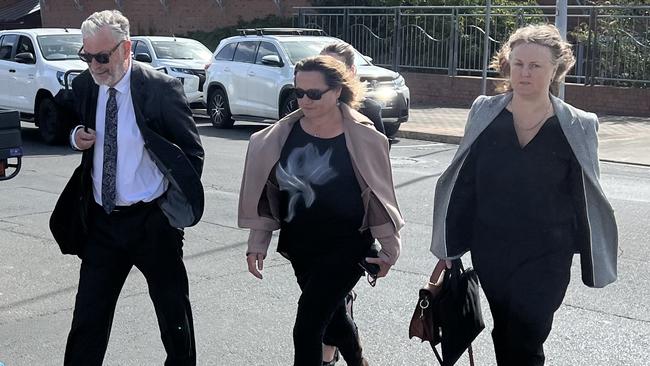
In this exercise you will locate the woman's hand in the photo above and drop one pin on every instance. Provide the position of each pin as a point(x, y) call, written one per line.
point(384, 267)
point(255, 264)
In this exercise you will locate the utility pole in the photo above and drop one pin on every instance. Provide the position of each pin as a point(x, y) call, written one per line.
point(561, 24)
point(486, 46)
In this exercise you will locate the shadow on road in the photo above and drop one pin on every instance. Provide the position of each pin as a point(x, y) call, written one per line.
point(33, 145)
point(240, 131)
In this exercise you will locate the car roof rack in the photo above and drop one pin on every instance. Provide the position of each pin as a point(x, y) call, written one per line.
point(280, 31)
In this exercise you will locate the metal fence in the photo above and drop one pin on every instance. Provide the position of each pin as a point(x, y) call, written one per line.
point(611, 43)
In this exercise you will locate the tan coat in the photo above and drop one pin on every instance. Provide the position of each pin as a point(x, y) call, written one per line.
point(259, 201)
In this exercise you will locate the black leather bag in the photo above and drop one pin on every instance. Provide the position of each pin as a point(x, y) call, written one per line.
point(449, 312)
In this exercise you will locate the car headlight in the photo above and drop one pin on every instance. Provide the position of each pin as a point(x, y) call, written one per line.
point(181, 70)
point(59, 77)
point(399, 82)
point(61, 74)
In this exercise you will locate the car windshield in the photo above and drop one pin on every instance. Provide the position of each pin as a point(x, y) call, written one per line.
point(60, 46)
point(299, 49)
point(181, 50)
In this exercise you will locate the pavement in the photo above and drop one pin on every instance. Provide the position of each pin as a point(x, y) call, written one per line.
point(623, 139)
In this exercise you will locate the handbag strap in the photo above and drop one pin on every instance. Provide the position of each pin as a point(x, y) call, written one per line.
point(470, 354)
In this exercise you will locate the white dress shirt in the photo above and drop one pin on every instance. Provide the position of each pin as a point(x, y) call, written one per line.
point(137, 177)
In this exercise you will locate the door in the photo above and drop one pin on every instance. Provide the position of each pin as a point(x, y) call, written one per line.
point(239, 87)
point(7, 69)
point(24, 90)
point(266, 78)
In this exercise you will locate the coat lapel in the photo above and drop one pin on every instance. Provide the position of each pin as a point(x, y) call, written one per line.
point(137, 94)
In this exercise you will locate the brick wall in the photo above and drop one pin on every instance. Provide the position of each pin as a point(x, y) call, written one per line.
point(460, 91)
point(150, 17)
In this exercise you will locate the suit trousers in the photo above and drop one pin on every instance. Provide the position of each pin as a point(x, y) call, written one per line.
point(524, 276)
point(139, 236)
point(325, 281)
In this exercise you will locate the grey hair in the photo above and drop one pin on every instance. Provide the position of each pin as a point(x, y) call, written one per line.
point(117, 23)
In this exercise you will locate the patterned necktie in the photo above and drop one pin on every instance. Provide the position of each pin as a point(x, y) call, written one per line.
point(110, 153)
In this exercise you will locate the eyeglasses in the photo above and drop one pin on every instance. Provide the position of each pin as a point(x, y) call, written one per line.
point(102, 57)
point(313, 94)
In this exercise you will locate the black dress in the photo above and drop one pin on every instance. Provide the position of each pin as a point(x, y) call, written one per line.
point(321, 210)
point(521, 205)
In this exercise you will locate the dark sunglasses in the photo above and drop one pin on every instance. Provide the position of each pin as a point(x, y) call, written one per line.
point(102, 57)
point(313, 94)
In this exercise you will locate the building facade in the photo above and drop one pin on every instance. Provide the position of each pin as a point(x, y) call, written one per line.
point(167, 17)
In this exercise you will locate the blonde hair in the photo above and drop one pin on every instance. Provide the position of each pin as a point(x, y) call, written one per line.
point(336, 75)
point(541, 34)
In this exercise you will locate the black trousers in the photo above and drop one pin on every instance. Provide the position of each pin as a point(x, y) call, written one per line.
point(321, 315)
point(139, 236)
point(524, 277)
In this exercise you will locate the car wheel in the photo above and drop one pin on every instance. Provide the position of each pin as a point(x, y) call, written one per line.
point(288, 105)
point(218, 109)
point(391, 128)
point(50, 125)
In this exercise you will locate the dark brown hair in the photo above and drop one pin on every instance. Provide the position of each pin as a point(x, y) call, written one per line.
point(336, 76)
point(342, 49)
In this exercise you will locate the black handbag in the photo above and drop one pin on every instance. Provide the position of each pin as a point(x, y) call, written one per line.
point(449, 312)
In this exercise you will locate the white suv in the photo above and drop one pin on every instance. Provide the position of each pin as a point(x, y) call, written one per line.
point(35, 65)
point(182, 58)
point(251, 78)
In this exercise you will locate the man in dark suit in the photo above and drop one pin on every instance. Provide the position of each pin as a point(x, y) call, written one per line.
point(137, 187)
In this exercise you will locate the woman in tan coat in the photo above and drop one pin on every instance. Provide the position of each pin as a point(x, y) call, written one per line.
point(322, 176)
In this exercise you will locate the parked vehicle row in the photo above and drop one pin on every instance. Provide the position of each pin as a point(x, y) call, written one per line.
point(249, 77)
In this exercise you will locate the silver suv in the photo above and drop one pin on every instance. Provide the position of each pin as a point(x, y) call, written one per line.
point(251, 77)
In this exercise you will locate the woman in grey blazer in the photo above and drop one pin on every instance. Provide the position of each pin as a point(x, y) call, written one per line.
point(522, 194)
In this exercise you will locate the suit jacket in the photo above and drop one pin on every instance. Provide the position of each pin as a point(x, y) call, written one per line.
point(170, 137)
point(258, 197)
point(599, 244)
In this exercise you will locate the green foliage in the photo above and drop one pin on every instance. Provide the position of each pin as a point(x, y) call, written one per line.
point(616, 42)
point(212, 39)
point(417, 2)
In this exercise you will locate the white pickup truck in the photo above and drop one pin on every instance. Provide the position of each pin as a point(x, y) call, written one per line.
point(35, 65)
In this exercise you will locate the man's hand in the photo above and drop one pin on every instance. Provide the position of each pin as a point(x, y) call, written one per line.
point(384, 267)
point(255, 264)
point(84, 138)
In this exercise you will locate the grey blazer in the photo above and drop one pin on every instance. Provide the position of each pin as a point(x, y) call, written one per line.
point(598, 253)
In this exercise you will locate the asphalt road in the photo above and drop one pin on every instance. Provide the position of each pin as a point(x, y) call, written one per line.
point(240, 320)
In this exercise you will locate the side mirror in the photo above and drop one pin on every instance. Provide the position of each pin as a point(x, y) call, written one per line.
point(25, 58)
point(368, 58)
point(10, 144)
point(272, 60)
point(143, 57)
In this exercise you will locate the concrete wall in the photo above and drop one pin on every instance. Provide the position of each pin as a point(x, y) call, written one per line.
point(460, 91)
point(151, 17)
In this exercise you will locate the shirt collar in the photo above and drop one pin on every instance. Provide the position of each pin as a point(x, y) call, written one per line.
point(123, 85)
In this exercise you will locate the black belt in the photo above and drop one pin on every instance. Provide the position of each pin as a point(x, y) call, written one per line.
point(121, 210)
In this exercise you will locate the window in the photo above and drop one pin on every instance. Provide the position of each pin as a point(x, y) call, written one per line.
point(265, 49)
point(245, 52)
point(140, 47)
point(25, 45)
point(60, 46)
point(181, 50)
point(227, 52)
point(8, 42)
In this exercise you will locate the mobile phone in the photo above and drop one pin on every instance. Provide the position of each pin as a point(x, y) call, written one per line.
point(370, 268)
